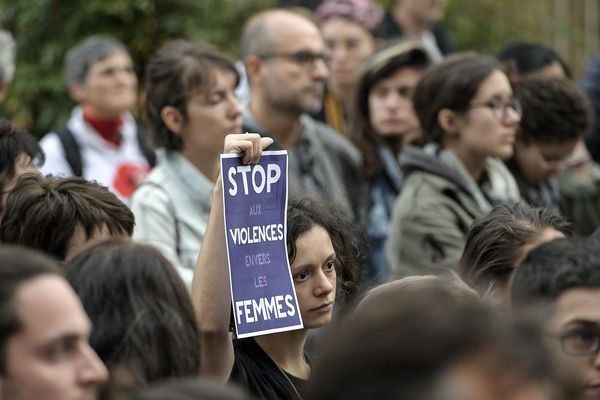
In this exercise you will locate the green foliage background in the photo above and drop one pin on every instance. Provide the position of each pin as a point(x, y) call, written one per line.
point(45, 29)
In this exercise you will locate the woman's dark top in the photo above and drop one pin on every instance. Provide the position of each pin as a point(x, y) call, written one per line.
point(258, 373)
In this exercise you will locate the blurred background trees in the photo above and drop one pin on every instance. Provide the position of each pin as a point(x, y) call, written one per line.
point(45, 29)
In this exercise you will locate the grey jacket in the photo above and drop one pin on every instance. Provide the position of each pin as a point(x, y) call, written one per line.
point(437, 205)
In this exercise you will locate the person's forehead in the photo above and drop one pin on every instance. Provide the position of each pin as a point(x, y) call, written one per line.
point(48, 308)
point(116, 57)
point(577, 304)
point(294, 33)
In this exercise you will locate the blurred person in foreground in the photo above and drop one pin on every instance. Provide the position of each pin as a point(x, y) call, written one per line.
point(44, 331)
point(564, 276)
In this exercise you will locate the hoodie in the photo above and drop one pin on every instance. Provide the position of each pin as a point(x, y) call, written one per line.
point(437, 205)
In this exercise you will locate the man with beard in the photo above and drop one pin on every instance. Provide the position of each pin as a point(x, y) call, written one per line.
point(285, 60)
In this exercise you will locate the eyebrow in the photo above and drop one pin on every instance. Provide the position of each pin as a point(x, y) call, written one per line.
point(585, 322)
point(301, 266)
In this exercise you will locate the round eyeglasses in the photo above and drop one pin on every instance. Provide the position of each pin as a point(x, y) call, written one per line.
point(500, 107)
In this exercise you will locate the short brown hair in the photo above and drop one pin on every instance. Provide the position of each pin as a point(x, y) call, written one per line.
point(43, 212)
point(176, 72)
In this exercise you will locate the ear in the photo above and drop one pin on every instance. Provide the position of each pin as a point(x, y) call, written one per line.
point(254, 67)
point(448, 121)
point(173, 119)
point(77, 92)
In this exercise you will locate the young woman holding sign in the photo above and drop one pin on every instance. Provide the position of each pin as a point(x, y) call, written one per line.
point(322, 245)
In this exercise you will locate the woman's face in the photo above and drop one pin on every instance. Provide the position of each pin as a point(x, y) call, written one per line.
point(391, 110)
point(349, 44)
point(488, 128)
point(314, 275)
point(109, 87)
point(211, 115)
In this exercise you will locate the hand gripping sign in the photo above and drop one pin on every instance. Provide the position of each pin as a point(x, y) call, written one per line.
point(255, 203)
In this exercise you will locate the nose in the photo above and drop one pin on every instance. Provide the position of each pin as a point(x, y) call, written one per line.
point(337, 54)
point(512, 117)
point(235, 109)
point(323, 285)
point(320, 70)
point(92, 370)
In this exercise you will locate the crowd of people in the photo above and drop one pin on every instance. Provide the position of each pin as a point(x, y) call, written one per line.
point(443, 222)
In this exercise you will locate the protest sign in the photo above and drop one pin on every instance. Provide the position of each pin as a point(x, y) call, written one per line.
point(255, 203)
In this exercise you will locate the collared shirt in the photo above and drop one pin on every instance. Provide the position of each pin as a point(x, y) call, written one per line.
point(171, 210)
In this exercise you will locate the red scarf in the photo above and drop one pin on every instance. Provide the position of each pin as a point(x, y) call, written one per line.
point(110, 129)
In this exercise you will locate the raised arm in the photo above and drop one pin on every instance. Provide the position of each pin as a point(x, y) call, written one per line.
point(210, 287)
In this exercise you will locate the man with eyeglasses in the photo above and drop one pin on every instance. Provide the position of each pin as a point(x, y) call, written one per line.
point(565, 274)
point(285, 60)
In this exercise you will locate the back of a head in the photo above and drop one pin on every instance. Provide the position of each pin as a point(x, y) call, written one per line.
point(15, 142)
point(554, 110)
point(452, 84)
point(7, 57)
point(17, 266)
point(140, 309)
point(496, 241)
point(190, 389)
point(84, 54)
point(44, 212)
point(529, 57)
point(400, 338)
point(554, 267)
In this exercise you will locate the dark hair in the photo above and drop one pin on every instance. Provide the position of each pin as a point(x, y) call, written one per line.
point(554, 110)
point(141, 312)
point(89, 51)
point(346, 237)
point(555, 267)
point(496, 240)
point(190, 389)
point(531, 57)
point(176, 72)
point(17, 266)
point(451, 84)
point(43, 213)
point(380, 66)
point(395, 347)
point(15, 141)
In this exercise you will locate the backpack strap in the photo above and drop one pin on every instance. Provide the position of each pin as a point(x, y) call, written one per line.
point(73, 152)
point(71, 148)
point(145, 147)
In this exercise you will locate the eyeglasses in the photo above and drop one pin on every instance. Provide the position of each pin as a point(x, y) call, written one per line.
point(305, 59)
point(580, 343)
point(500, 107)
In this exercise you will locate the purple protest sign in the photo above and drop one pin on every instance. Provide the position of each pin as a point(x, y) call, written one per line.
point(255, 203)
